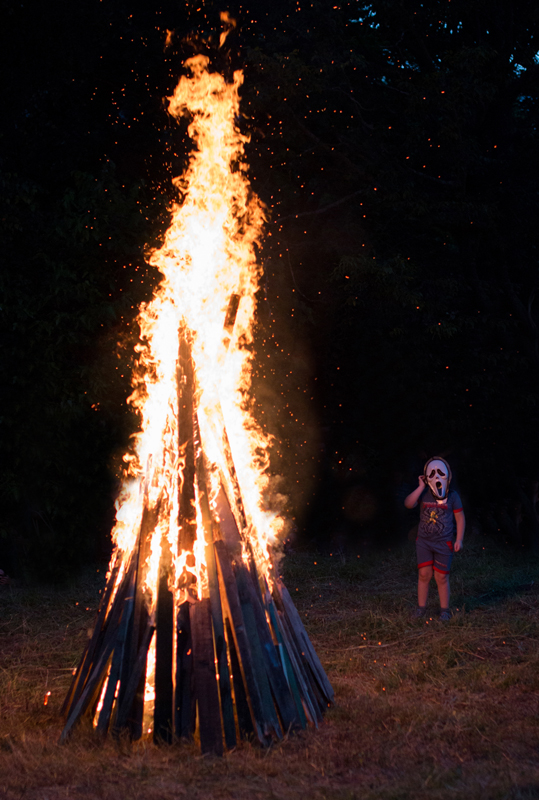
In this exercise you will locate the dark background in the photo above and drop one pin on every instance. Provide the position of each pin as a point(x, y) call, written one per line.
point(395, 145)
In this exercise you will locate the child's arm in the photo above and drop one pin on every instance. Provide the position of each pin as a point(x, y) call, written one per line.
point(461, 526)
point(413, 497)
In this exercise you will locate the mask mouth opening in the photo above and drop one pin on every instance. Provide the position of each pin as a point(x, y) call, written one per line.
point(439, 488)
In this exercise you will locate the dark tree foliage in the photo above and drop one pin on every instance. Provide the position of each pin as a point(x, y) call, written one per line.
point(73, 225)
point(395, 145)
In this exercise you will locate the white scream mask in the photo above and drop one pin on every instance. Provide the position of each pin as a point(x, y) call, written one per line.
point(438, 475)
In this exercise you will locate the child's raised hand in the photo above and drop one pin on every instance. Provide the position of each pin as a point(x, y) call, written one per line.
point(422, 481)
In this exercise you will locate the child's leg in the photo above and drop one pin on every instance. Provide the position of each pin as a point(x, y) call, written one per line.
point(442, 565)
point(442, 581)
point(425, 561)
point(424, 578)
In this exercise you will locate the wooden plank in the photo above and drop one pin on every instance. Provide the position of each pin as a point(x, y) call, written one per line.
point(79, 679)
point(272, 662)
point(148, 523)
point(136, 678)
point(253, 572)
point(242, 645)
point(135, 718)
point(79, 676)
point(237, 542)
point(227, 523)
point(186, 387)
point(130, 632)
point(111, 634)
point(229, 478)
point(290, 715)
point(235, 484)
point(245, 592)
point(138, 632)
point(184, 689)
point(108, 634)
point(225, 689)
point(231, 312)
point(164, 649)
point(225, 686)
point(271, 721)
point(245, 723)
point(309, 703)
point(110, 629)
point(287, 606)
point(310, 694)
point(323, 705)
point(92, 687)
point(297, 647)
point(184, 694)
point(117, 661)
point(285, 657)
point(207, 695)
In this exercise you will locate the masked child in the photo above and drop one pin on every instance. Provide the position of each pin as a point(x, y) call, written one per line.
point(440, 518)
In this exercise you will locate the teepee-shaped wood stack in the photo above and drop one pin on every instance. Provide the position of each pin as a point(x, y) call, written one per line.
point(237, 663)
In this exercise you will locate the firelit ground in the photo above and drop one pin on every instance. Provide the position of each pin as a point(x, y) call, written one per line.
point(424, 709)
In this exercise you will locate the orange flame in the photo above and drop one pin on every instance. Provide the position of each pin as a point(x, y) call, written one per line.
point(210, 277)
point(168, 39)
point(229, 24)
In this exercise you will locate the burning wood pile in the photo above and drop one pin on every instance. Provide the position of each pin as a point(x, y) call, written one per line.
point(196, 635)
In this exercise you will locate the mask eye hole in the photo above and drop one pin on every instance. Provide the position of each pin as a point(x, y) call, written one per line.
point(439, 471)
point(432, 473)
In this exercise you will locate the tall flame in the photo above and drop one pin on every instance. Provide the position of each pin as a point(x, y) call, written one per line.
point(207, 300)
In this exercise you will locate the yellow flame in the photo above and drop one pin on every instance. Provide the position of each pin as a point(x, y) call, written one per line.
point(208, 263)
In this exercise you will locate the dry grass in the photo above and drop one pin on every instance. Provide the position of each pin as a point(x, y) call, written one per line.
point(423, 710)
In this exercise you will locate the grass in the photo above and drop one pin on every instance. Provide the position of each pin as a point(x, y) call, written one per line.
point(423, 710)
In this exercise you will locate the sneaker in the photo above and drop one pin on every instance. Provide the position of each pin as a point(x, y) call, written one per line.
point(419, 612)
point(444, 615)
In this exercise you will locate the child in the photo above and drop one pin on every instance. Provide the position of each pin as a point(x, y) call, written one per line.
point(440, 509)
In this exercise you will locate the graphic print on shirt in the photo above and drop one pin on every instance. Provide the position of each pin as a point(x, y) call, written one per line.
point(436, 520)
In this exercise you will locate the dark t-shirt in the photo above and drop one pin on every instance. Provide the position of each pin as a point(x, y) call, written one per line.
point(436, 520)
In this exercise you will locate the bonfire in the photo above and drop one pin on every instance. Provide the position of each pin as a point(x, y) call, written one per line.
point(196, 635)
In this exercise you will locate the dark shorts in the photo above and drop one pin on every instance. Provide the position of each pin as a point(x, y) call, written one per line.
point(437, 555)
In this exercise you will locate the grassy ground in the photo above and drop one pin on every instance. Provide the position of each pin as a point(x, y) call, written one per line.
point(423, 710)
